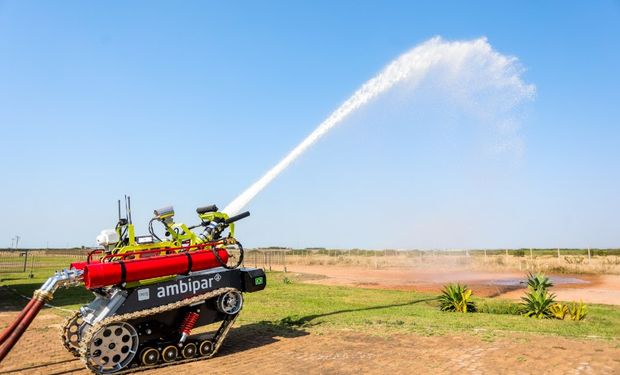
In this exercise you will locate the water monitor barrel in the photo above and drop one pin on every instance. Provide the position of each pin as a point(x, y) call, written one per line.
point(237, 217)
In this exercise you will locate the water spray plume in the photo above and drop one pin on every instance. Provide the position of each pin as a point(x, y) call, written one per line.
point(460, 61)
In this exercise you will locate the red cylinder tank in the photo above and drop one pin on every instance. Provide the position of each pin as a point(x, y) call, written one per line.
point(97, 275)
point(81, 265)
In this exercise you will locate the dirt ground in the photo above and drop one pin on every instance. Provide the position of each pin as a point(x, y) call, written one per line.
point(257, 348)
point(603, 289)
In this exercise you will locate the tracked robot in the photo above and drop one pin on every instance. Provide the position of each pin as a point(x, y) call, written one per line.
point(151, 293)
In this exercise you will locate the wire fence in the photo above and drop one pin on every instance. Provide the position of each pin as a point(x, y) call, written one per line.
point(13, 261)
point(552, 260)
point(27, 260)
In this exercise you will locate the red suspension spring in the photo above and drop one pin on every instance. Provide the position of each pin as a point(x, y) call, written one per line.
point(189, 322)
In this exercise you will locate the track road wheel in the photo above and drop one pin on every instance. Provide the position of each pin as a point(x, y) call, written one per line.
point(230, 302)
point(206, 347)
point(71, 333)
point(189, 350)
point(149, 357)
point(170, 353)
point(112, 348)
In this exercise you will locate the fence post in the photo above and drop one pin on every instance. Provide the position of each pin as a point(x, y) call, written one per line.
point(589, 255)
point(31, 275)
point(25, 259)
point(558, 252)
point(531, 254)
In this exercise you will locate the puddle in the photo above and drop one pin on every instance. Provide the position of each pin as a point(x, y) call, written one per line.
point(556, 280)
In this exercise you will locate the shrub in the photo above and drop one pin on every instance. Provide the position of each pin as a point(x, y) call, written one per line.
point(559, 311)
point(578, 311)
point(538, 301)
point(457, 298)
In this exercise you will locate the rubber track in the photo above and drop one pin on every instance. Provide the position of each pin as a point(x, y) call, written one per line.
point(63, 336)
point(221, 334)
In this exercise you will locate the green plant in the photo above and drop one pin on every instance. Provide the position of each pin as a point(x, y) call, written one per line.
point(537, 303)
point(558, 310)
point(286, 280)
point(578, 311)
point(457, 298)
point(538, 281)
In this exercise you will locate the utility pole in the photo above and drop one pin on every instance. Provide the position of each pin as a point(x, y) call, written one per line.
point(17, 241)
point(12, 242)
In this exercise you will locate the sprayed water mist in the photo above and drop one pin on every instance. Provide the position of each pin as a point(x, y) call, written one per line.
point(461, 62)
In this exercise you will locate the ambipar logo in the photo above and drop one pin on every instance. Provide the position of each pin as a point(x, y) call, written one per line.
point(184, 286)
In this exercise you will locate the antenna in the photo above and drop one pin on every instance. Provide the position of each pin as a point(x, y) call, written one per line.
point(126, 208)
point(129, 208)
point(119, 210)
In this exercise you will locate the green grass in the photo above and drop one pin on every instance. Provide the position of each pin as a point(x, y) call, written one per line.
point(317, 308)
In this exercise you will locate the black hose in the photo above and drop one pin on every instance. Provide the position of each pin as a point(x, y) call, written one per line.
point(224, 264)
point(151, 231)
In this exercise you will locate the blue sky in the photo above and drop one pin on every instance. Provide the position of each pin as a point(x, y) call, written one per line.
point(187, 103)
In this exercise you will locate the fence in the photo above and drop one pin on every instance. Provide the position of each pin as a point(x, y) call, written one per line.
point(26, 260)
point(13, 261)
point(280, 259)
point(552, 260)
